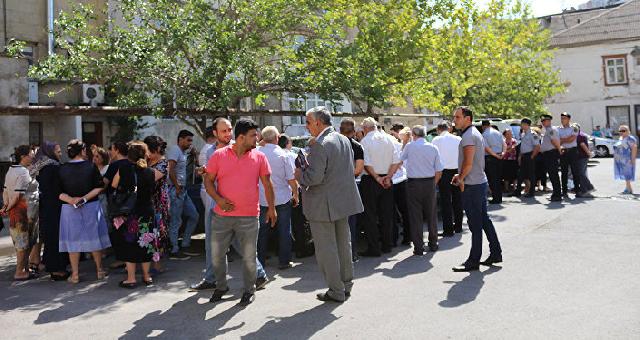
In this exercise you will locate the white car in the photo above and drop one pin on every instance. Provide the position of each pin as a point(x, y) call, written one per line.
point(603, 147)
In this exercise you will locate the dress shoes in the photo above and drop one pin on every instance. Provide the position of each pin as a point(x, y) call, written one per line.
point(465, 268)
point(218, 294)
point(433, 248)
point(555, 198)
point(491, 260)
point(324, 297)
point(418, 252)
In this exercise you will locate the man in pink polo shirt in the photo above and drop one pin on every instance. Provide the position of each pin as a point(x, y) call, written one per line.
point(237, 169)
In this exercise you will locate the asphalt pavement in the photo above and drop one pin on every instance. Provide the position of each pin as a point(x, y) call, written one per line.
point(570, 270)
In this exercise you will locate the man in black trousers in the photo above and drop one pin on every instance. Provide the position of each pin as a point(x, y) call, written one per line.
point(494, 146)
point(450, 203)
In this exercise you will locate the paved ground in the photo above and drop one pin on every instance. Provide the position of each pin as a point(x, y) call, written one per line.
point(571, 271)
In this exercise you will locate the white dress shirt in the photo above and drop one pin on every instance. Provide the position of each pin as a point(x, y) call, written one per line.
point(379, 151)
point(448, 144)
point(281, 173)
point(400, 175)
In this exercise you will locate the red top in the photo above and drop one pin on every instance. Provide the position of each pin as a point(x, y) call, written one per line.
point(510, 155)
point(237, 179)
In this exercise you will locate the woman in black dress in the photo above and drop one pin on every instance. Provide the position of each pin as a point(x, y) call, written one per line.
point(137, 238)
point(46, 169)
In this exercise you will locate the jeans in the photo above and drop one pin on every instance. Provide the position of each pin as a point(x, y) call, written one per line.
point(245, 230)
point(208, 203)
point(283, 228)
point(181, 205)
point(474, 200)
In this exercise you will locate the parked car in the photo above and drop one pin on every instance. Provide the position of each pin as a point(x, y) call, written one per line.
point(602, 147)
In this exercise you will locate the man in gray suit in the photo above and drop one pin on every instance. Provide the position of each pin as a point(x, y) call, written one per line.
point(329, 197)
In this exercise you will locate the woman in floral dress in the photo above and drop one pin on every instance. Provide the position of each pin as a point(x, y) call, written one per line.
point(160, 197)
point(625, 152)
point(137, 235)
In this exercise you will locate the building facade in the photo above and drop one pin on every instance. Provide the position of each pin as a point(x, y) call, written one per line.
point(598, 54)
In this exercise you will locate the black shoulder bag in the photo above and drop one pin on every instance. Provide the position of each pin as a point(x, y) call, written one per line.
point(122, 202)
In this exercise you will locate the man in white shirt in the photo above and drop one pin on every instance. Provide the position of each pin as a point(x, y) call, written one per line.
point(450, 203)
point(380, 163)
point(285, 188)
point(402, 135)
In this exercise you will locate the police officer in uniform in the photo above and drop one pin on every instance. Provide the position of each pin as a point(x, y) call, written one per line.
point(529, 149)
point(569, 157)
point(551, 151)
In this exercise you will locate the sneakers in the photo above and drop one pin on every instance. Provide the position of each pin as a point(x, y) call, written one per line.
point(190, 251)
point(202, 286)
point(261, 282)
point(179, 256)
point(247, 298)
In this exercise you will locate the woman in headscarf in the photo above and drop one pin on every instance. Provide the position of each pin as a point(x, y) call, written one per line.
point(45, 169)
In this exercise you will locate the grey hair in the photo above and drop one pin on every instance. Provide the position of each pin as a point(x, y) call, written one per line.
point(444, 126)
point(322, 114)
point(270, 134)
point(369, 122)
point(418, 130)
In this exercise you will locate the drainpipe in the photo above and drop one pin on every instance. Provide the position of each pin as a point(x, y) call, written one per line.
point(4, 22)
point(50, 26)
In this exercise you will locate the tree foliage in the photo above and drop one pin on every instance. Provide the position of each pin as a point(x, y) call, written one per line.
point(202, 54)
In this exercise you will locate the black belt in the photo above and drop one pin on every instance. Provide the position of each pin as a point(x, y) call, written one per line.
point(420, 179)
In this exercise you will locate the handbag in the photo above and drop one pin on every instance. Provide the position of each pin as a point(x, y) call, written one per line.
point(122, 202)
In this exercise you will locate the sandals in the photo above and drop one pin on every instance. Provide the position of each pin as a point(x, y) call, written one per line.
point(31, 276)
point(101, 274)
point(73, 280)
point(148, 282)
point(35, 267)
point(128, 285)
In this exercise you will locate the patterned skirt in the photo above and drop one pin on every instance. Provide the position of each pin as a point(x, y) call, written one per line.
point(24, 233)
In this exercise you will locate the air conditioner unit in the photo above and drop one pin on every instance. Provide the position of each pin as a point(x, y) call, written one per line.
point(92, 94)
point(33, 92)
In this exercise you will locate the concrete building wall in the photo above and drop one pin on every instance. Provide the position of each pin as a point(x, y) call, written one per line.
point(587, 97)
point(14, 130)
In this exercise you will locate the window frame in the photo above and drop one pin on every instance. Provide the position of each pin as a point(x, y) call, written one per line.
point(605, 69)
point(614, 132)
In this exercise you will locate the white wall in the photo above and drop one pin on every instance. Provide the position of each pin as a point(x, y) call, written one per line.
point(14, 130)
point(587, 97)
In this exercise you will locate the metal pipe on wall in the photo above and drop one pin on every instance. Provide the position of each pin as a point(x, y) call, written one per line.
point(4, 22)
point(50, 20)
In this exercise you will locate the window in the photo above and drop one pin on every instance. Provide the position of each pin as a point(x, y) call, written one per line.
point(615, 68)
point(35, 133)
point(312, 100)
point(616, 116)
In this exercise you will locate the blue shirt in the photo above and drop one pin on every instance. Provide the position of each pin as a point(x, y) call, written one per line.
point(493, 139)
point(422, 159)
point(281, 173)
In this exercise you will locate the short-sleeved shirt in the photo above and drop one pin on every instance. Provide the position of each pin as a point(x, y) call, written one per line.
point(528, 141)
point(422, 159)
point(237, 179)
point(112, 170)
point(547, 135)
point(582, 139)
point(16, 182)
point(493, 139)
point(358, 151)
point(565, 132)
point(379, 151)
point(448, 144)
point(281, 174)
point(175, 153)
point(472, 137)
point(78, 178)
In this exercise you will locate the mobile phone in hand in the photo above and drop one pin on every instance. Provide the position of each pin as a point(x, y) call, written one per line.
point(81, 203)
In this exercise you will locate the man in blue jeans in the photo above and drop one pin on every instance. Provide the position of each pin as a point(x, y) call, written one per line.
point(285, 188)
point(180, 203)
point(472, 181)
point(220, 137)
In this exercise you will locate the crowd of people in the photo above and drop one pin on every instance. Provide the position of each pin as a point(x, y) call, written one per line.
point(360, 182)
